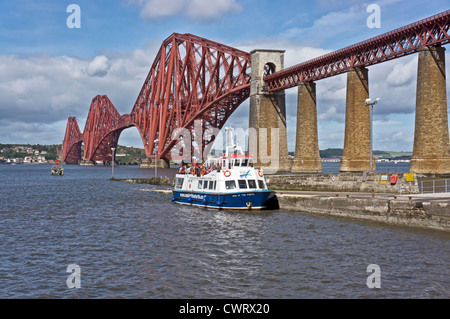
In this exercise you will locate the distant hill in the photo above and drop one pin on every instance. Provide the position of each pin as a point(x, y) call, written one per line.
point(127, 155)
point(392, 154)
point(331, 152)
point(124, 154)
point(337, 152)
point(24, 150)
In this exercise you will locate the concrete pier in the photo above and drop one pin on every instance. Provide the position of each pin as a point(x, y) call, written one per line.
point(267, 119)
point(417, 211)
point(356, 155)
point(347, 182)
point(150, 163)
point(87, 163)
point(364, 196)
point(307, 157)
point(431, 151)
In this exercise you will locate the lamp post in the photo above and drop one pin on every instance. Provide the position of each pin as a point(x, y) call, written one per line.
point(156, 157)
point(113, 149)
point(371, 104)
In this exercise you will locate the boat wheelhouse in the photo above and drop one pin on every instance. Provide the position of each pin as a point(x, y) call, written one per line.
point(57, 170)
point(227, 182)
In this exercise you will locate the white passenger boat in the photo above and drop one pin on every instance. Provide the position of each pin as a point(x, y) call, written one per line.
point(226, 182)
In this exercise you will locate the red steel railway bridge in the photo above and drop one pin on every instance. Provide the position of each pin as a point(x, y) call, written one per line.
point(194, 82)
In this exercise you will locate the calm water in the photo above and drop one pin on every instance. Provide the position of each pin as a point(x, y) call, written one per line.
point(133, 243)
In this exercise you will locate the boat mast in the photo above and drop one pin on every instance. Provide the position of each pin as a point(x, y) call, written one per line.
point(229, 139)
point(231, 146)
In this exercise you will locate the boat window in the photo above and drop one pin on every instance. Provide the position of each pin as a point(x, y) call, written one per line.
point(179, 183)
point(261, 184)
point(230, 185)
point(251, 183)
point(212, 185)
point(236, 163)
point(245, 163)
point(200, 184)
point(242, 183)
point(205, 184)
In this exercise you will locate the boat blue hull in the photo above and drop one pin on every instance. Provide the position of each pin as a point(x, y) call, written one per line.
point(239, 200)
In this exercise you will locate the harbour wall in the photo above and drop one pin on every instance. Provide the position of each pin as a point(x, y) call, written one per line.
point(404, 210)
point(346, 182)
point(365, 196)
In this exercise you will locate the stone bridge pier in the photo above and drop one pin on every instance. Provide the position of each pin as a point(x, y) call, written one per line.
point(356, 153)
point(267, 140)
point(307, 157)
point(431, 152)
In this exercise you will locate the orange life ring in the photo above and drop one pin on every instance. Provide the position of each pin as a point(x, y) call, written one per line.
point(260, 173)
point(227, 173)
point(203, 172)
point(194, 172)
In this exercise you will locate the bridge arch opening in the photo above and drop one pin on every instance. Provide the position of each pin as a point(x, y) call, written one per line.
point(131, 137)
point(269, 68)
point(129, 146)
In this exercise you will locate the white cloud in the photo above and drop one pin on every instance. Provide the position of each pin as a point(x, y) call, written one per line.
point(209, 10)
point(333, 24)
point(403, 72)
point(99, 66)
point(331, 113)
point(398, 139)
point(39, 92)
point(204, 10)
point(152, 9)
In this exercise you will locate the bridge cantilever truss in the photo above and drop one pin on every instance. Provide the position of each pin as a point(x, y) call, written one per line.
point(394, 44)
point(191, 79)
point(195, 80)
point(72, 141)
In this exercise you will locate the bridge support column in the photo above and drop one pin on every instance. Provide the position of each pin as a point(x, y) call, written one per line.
point(267, 121)
point(356, 155)
point(307, 157)
point(150, 163)
point(431, 151)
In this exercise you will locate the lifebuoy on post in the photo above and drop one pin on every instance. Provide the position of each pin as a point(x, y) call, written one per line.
point(260, 173)
point(227, 173)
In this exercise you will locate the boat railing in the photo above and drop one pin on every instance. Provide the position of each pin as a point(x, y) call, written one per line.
point(199, 170)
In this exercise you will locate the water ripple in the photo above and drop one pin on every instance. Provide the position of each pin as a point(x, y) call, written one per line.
point(132, 243)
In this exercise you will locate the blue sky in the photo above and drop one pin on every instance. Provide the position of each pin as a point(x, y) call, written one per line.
point(49, 72)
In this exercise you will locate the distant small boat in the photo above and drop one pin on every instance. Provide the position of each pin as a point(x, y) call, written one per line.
point(57, 170)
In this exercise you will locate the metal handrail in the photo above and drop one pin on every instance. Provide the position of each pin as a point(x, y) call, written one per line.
point(434, 186)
